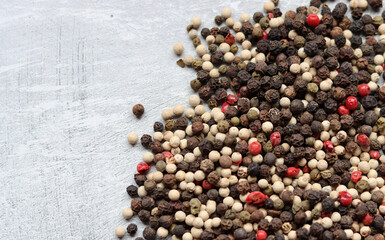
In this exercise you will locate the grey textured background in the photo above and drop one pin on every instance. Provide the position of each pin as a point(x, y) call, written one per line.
point(70, 71)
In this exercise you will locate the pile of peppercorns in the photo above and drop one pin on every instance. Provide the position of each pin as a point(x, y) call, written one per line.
point(292, 146)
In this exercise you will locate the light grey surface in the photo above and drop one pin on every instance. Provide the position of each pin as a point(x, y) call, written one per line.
point(70, 71)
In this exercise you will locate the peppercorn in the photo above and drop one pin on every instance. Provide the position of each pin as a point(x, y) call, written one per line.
point(138, 110)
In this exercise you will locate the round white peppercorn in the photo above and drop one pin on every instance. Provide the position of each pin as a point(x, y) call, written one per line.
point(178, 48)
point(194, 100)
point(278, 187)
point(244, 17)
point(188, 59)
point(127, 213)
point(362, 4)
point(245, 54)
point(207, 66)
point(132, 138)
point(326, 222)
point(237, 207)
point(230, 22)
point(120, 231)
point(148, 157)
point(268, 6)
point(142, 191)
point(237, 26)
point(240, 36)
point(180, 216)
point(226, 12)
point(267, 127)
point(196, 22)
point(295, 68)
point(162, 232)
point(174, 195)
point(167, 114)
point(201, 50)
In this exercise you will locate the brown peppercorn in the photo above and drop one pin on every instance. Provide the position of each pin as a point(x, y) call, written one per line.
point(144, 215)
point(149, 233)
point(138, 110)
point(136, 205)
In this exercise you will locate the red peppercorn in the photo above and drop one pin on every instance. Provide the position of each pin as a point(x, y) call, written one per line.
point(345, 198)
point(167, 154)
point(351, 103)
point(312, 20)
point(275, 138)
point(356, 176)
point(292, 172)
point(231, 99)
point(326, 214)
point(342, 110)
point(374, 154)
point(306, 169)
point(230, 39)
point(328, 145)
point(364, 90)
point(196, 182)
point(363, 140)
point(257, 198)
point(255, 148)
point(368, 219)
point(225, 106)
point(261, 235)
point(270, 15)
point(143, 168)
point(206, 185)
point(264, 35)
point(383, 66)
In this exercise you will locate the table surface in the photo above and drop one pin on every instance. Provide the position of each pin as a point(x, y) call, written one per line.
point(70, 72)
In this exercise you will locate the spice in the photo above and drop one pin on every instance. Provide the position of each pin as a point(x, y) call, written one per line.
point(138, 110)
point(119, 232)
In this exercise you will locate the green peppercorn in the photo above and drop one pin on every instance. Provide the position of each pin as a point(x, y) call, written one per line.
point(197, 64)
point(268, 147)
point(299, 41)
point(381, 123)
point(234, 121)
point(315, 213)
point(362, 186)
point(180, 63)
point(241, 66)
point(195, 206)
point(222, 69)
point(315, 175)
point(219, 39)
point(223, 126)
point(244, 216)
point(310, 141)
point(195, 84)
point(284, 43)
point(252, 115)
point(264, 22)
point(169, 125)
point(305, 205)
point(296, 207)
point(261, 137)
point(326, 174)
point(269, 190)
point(212, 103)
point(196, 42)
point(160, 166)
point(371, 68)
point(210, 137)
point(278, 204)
point(351, 184)
point(230, 214)
point(312, 88)
point(234, 48)
point(213, 47)
point(378, 20)
point(189, 27)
